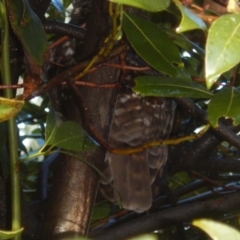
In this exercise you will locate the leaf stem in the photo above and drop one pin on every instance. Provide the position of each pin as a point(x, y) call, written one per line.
point(12, 133)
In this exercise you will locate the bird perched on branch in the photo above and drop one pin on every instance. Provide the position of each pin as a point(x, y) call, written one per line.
point(136, 120)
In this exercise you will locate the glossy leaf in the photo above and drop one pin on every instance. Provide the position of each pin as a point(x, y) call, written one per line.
point(181, 41)
point(28, 28)
point(169, 87)
point(54, 119)
point(153, 45)
point(224, 104)
point(9, 108)
point(149, 5)
point(189, 20)
point(9, 234)
point(69, 136)
point(222, 47)
point(217, 230)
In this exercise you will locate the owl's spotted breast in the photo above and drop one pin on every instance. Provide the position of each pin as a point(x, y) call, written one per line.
point(137, 120)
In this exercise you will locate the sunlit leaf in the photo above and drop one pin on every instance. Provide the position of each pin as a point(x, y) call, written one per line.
point(153, 45)
point(224, 104)
point(144, 237)
point(217, 230)
point(149, 5)
point(189, 20)
point(70, 136)
point(28, 28)
point(169, 87)
point(9, 108)
point(9, 234)
point(222, 47)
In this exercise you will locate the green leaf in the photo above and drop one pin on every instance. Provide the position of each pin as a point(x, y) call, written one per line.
point(66, 3)
point(149, 5)
point(9, 234)
point(222, 47)
point(54, 120)
point(181, 41)
point(144, 237)
point(69, 136)
point(189, 20)
point(28, 28)
point(100, 211)
point(224, 104)
point(217, 230)
point(9, 108)
point(169, 87)
point(153, 45)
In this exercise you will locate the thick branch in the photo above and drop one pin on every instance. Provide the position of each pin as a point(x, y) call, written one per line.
point(197, 154)
point(56, 27)
point(72, 197)
point(73, 71)
point(167, 218)
point(222, 131)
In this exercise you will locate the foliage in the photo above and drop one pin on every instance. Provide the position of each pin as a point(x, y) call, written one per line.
point(9, 108)
point(144, 37)
point(217, 230)
point(9, 234)
point(186, 57)
point(27, 26)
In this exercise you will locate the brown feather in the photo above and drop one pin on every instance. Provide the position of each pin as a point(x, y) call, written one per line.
point(137, 120)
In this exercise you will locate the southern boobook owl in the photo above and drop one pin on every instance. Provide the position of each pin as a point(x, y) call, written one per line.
point(137, 120)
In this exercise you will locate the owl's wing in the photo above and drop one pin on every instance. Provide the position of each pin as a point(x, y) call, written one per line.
point(136, 120)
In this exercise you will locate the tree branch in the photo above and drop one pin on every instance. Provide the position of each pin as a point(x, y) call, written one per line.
point(209, 209)
point(226, 133)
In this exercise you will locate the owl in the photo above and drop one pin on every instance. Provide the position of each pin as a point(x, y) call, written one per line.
point(136, 120)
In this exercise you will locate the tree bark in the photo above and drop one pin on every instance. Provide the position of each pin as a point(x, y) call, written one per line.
point(75, 183)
